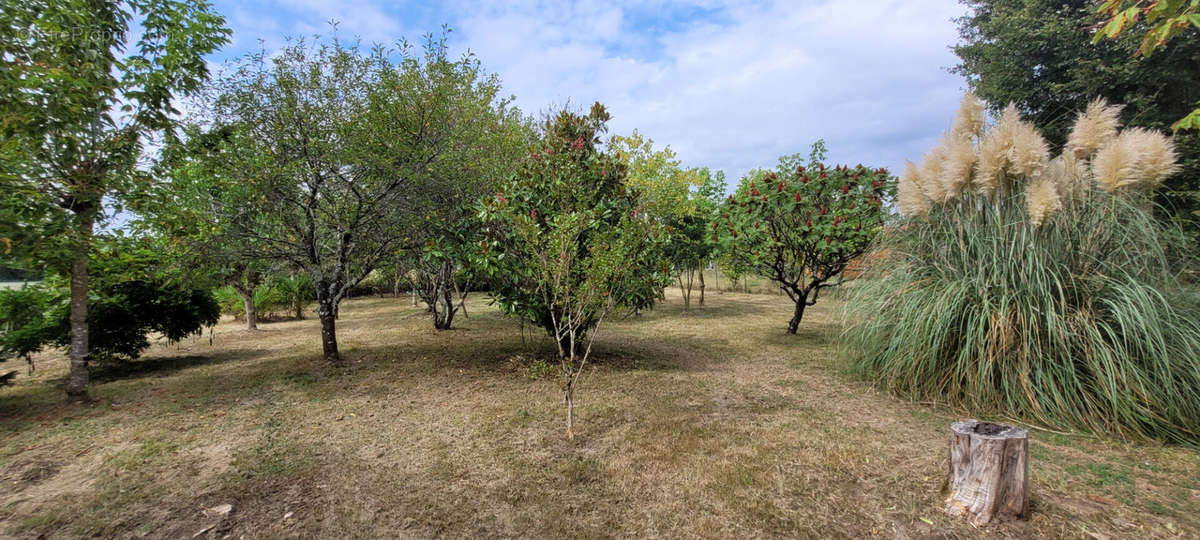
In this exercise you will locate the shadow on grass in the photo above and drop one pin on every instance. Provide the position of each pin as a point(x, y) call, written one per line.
point(162, 366)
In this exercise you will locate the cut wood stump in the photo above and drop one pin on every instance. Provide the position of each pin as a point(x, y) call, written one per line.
point(989, 472)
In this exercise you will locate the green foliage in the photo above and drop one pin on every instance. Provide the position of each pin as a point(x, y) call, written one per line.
point(135, 294)
point(1039, 55)
point(76, 107)
point(685, 200)
point(1034, 287)
point(568, 238)
point(800, 225)
point(332, 160)
point(1164, 20)
point(1076, 324)
point(276, 298)
point(30, 318)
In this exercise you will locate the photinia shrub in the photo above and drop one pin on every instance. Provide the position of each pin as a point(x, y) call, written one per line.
point(802, 224)
point(568, 242)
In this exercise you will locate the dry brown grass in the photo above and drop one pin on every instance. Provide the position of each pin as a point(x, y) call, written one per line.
point(712, 423)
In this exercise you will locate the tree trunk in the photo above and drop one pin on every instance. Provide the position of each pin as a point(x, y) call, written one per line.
point(248, 303)
point(801, 303)
point(989, 472)
point(77, 379)
point(717, 278)
point(570, 395)
point(700, 265)
point(327, 312)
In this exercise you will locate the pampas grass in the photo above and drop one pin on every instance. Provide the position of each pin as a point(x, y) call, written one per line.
point(1042, 200)
point(1095, 127)
point(1044, 294)
point(909, 197)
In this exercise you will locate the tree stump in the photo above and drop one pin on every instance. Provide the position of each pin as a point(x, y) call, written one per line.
point(989, 472)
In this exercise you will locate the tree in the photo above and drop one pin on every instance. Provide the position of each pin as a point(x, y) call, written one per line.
point(137, 292)
point(330, 153)
point(77, 110)
point(805, 224)
point(1038, 54)
point(198, 209)
point(568, 241)
point(682, 199)
point(486, 145)
point(1165, 19)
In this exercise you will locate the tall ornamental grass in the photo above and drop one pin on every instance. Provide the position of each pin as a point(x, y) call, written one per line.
point(1036, 288)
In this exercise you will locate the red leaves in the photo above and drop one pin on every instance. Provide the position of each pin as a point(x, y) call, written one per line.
point(822, 175)
point(798, 196)
point(714, 225)
point(578, 144)
point(823, 210)
point(808, 223)
point(845, 189)
point(604, 172)
point(852, 206)
point(499, 197)
point(533, 213)
point(779, 188)
point(800, 169)
point(804, 179)
point(716, 238)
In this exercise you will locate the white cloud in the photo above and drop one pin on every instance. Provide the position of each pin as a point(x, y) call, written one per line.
point(732, 89)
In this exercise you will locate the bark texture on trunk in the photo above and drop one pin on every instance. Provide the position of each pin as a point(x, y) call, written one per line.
point(77, 379)
point(327, 309)
point(248, 304)
point(988, 479)
point(701, 267)
point(329, 346)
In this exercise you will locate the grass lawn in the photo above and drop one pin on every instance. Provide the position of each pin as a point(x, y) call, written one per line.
point(712, 423)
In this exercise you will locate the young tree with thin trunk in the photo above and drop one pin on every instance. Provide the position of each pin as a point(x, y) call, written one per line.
point(77, 109)
point(568, 241)
point(801, 225)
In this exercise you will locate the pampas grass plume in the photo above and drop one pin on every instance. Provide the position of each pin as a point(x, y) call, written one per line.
point(1042, 200)
point(969, 121)
point(1095, 127)
point(909, 197)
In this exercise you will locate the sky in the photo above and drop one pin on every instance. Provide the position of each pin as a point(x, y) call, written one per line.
point(729, 85)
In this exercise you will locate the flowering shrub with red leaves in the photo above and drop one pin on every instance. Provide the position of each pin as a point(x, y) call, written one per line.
point(802, 224)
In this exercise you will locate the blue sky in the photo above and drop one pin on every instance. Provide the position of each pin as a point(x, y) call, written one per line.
point(729, 85)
